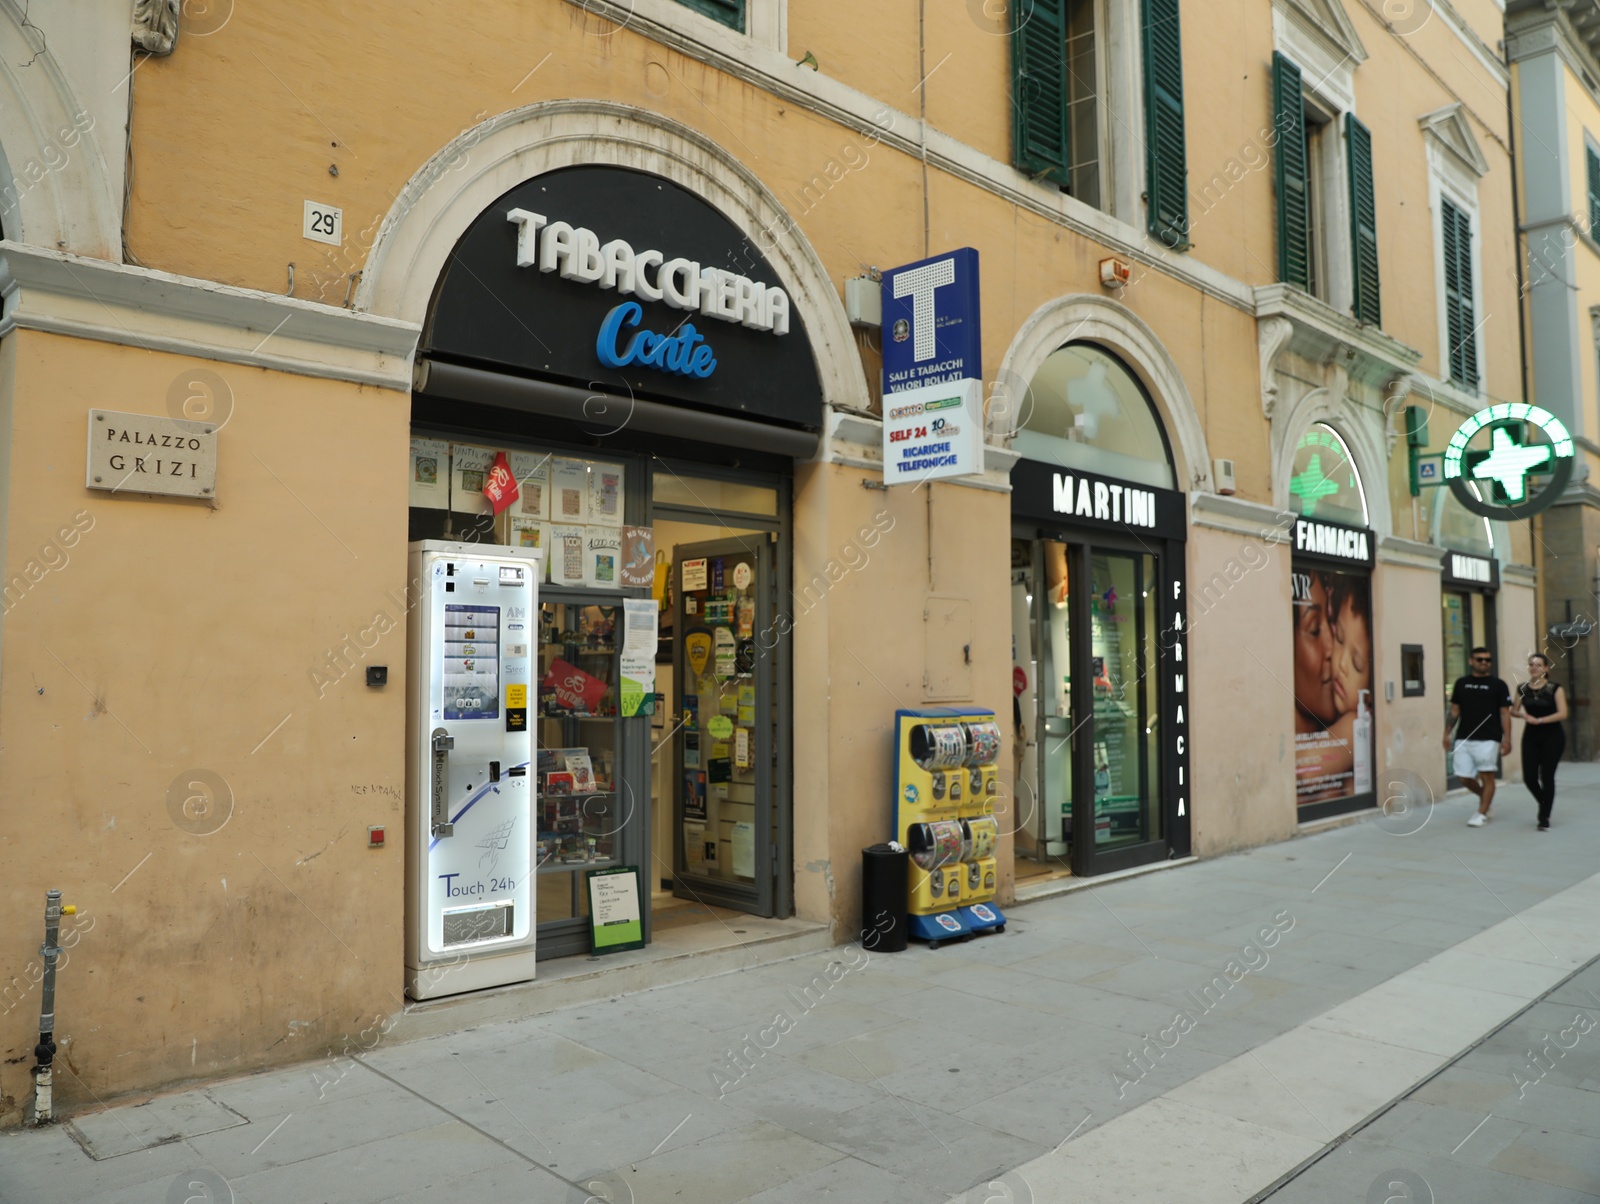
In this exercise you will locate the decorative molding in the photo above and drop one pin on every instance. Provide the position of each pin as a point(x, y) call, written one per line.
point(1272, 338)
point(1321, 334)
point(1395, 394)
point(1328, 22)
point(57, 188)
point(1449, 129)
point(1088, 318)
point(1411, 553)
point(437, 206)
point(156, 311)
point(1523, 574)
point(155, 26)
point(1239, 516)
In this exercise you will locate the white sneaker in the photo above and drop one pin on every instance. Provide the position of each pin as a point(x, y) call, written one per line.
point(1477, 821)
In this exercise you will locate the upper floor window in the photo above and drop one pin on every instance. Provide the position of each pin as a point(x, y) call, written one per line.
point(1327, 207)
point(1592, 161)
point(1455, 165)
point(1460, 313)
point(728, 12)
point(1068, 57)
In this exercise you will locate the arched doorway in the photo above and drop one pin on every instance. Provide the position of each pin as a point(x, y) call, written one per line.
point(1097, 605)
point(610, 341)
point(1333, 554)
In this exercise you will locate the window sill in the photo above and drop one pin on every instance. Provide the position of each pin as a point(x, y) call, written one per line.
point(767, 23)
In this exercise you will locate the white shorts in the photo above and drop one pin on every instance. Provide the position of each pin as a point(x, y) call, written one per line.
point(1472, 757)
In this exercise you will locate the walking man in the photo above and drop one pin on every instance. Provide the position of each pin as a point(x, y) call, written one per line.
point(1482, 705)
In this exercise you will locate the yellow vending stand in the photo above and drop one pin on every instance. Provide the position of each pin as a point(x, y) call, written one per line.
point(946, 784)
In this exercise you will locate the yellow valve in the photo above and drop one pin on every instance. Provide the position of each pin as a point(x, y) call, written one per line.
point(69, 910)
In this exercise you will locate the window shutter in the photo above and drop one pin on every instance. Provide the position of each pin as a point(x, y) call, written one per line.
point(727, 12)
point(1039, 88)
point(1294, 222)
point(1166, 167)
point(1594, 192)
point(1460, 322)
point(1363, 222)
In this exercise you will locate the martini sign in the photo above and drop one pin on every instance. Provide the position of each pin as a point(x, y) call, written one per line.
point(1504, 470)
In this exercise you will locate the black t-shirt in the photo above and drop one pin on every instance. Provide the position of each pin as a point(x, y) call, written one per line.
point(1539, 703)
point(1480, 700)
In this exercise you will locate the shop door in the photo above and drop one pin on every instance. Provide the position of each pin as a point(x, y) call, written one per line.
point(1098, 707)
point(723, 741)
point(1117, 804)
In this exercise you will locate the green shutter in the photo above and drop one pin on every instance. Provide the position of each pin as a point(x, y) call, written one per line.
point(1289, 170)
point(1166, 168)
point(1460, 322)
point(1594, 191)
point(728, 12)
point(1039, 88)
point(1363, 222)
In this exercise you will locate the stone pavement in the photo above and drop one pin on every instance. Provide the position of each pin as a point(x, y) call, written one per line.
point(1316, 1020)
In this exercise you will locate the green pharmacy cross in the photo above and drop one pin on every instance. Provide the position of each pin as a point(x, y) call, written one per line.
point(1312, 485)
point(1509, 462)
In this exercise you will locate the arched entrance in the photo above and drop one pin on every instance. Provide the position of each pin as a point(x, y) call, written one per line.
point(632, 342)
point(1332, 559)
point(1097, 620)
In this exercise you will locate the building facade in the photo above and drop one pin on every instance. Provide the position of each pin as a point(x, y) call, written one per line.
point(1557, 104)
point(371, 253)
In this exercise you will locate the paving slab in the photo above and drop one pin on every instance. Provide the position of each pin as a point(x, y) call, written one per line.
point(1379, 1035)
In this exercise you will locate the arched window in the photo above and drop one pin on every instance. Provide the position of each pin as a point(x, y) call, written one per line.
point(1085, 410)
point(1457, 528)
point(1324, 483)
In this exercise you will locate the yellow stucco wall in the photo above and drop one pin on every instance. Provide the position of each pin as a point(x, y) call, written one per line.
point(178, 636)
point(175, 636)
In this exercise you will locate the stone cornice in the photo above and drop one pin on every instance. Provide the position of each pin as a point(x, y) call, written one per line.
point(1410, 553)
point(1322, 335)
point(136, 307)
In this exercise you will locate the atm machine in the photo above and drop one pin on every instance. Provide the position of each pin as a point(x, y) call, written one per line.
point(470, 880)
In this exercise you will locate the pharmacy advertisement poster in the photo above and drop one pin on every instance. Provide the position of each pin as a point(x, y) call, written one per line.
point(1332, 684)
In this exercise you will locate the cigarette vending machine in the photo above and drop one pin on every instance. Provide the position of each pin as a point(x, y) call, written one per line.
point(472, 627)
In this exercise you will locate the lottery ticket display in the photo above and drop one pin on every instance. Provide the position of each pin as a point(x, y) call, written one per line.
point(947, 781)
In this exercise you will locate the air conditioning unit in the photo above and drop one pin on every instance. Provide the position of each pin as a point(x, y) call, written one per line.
point(1114, 273)
point(1222, 474)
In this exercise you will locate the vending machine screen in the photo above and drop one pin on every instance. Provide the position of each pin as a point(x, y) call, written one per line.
point(471, 662)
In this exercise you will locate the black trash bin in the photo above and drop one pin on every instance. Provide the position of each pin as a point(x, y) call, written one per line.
point(885, 873)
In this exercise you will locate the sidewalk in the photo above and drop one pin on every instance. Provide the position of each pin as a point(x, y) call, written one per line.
point(1290, 1019)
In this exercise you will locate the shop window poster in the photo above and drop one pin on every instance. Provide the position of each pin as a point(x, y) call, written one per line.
point(602, 550)
point(569, 485)
point(469, 468)
point(1332, 684)
point(605, 494)
point(638, 568)
point(430, 474)
point(532, 471)
point(566, 555)
point(531, 533)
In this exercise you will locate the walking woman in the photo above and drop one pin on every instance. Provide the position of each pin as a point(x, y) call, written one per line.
point(1543, 704)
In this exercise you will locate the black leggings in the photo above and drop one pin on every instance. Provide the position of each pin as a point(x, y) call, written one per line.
point(1541, 749)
